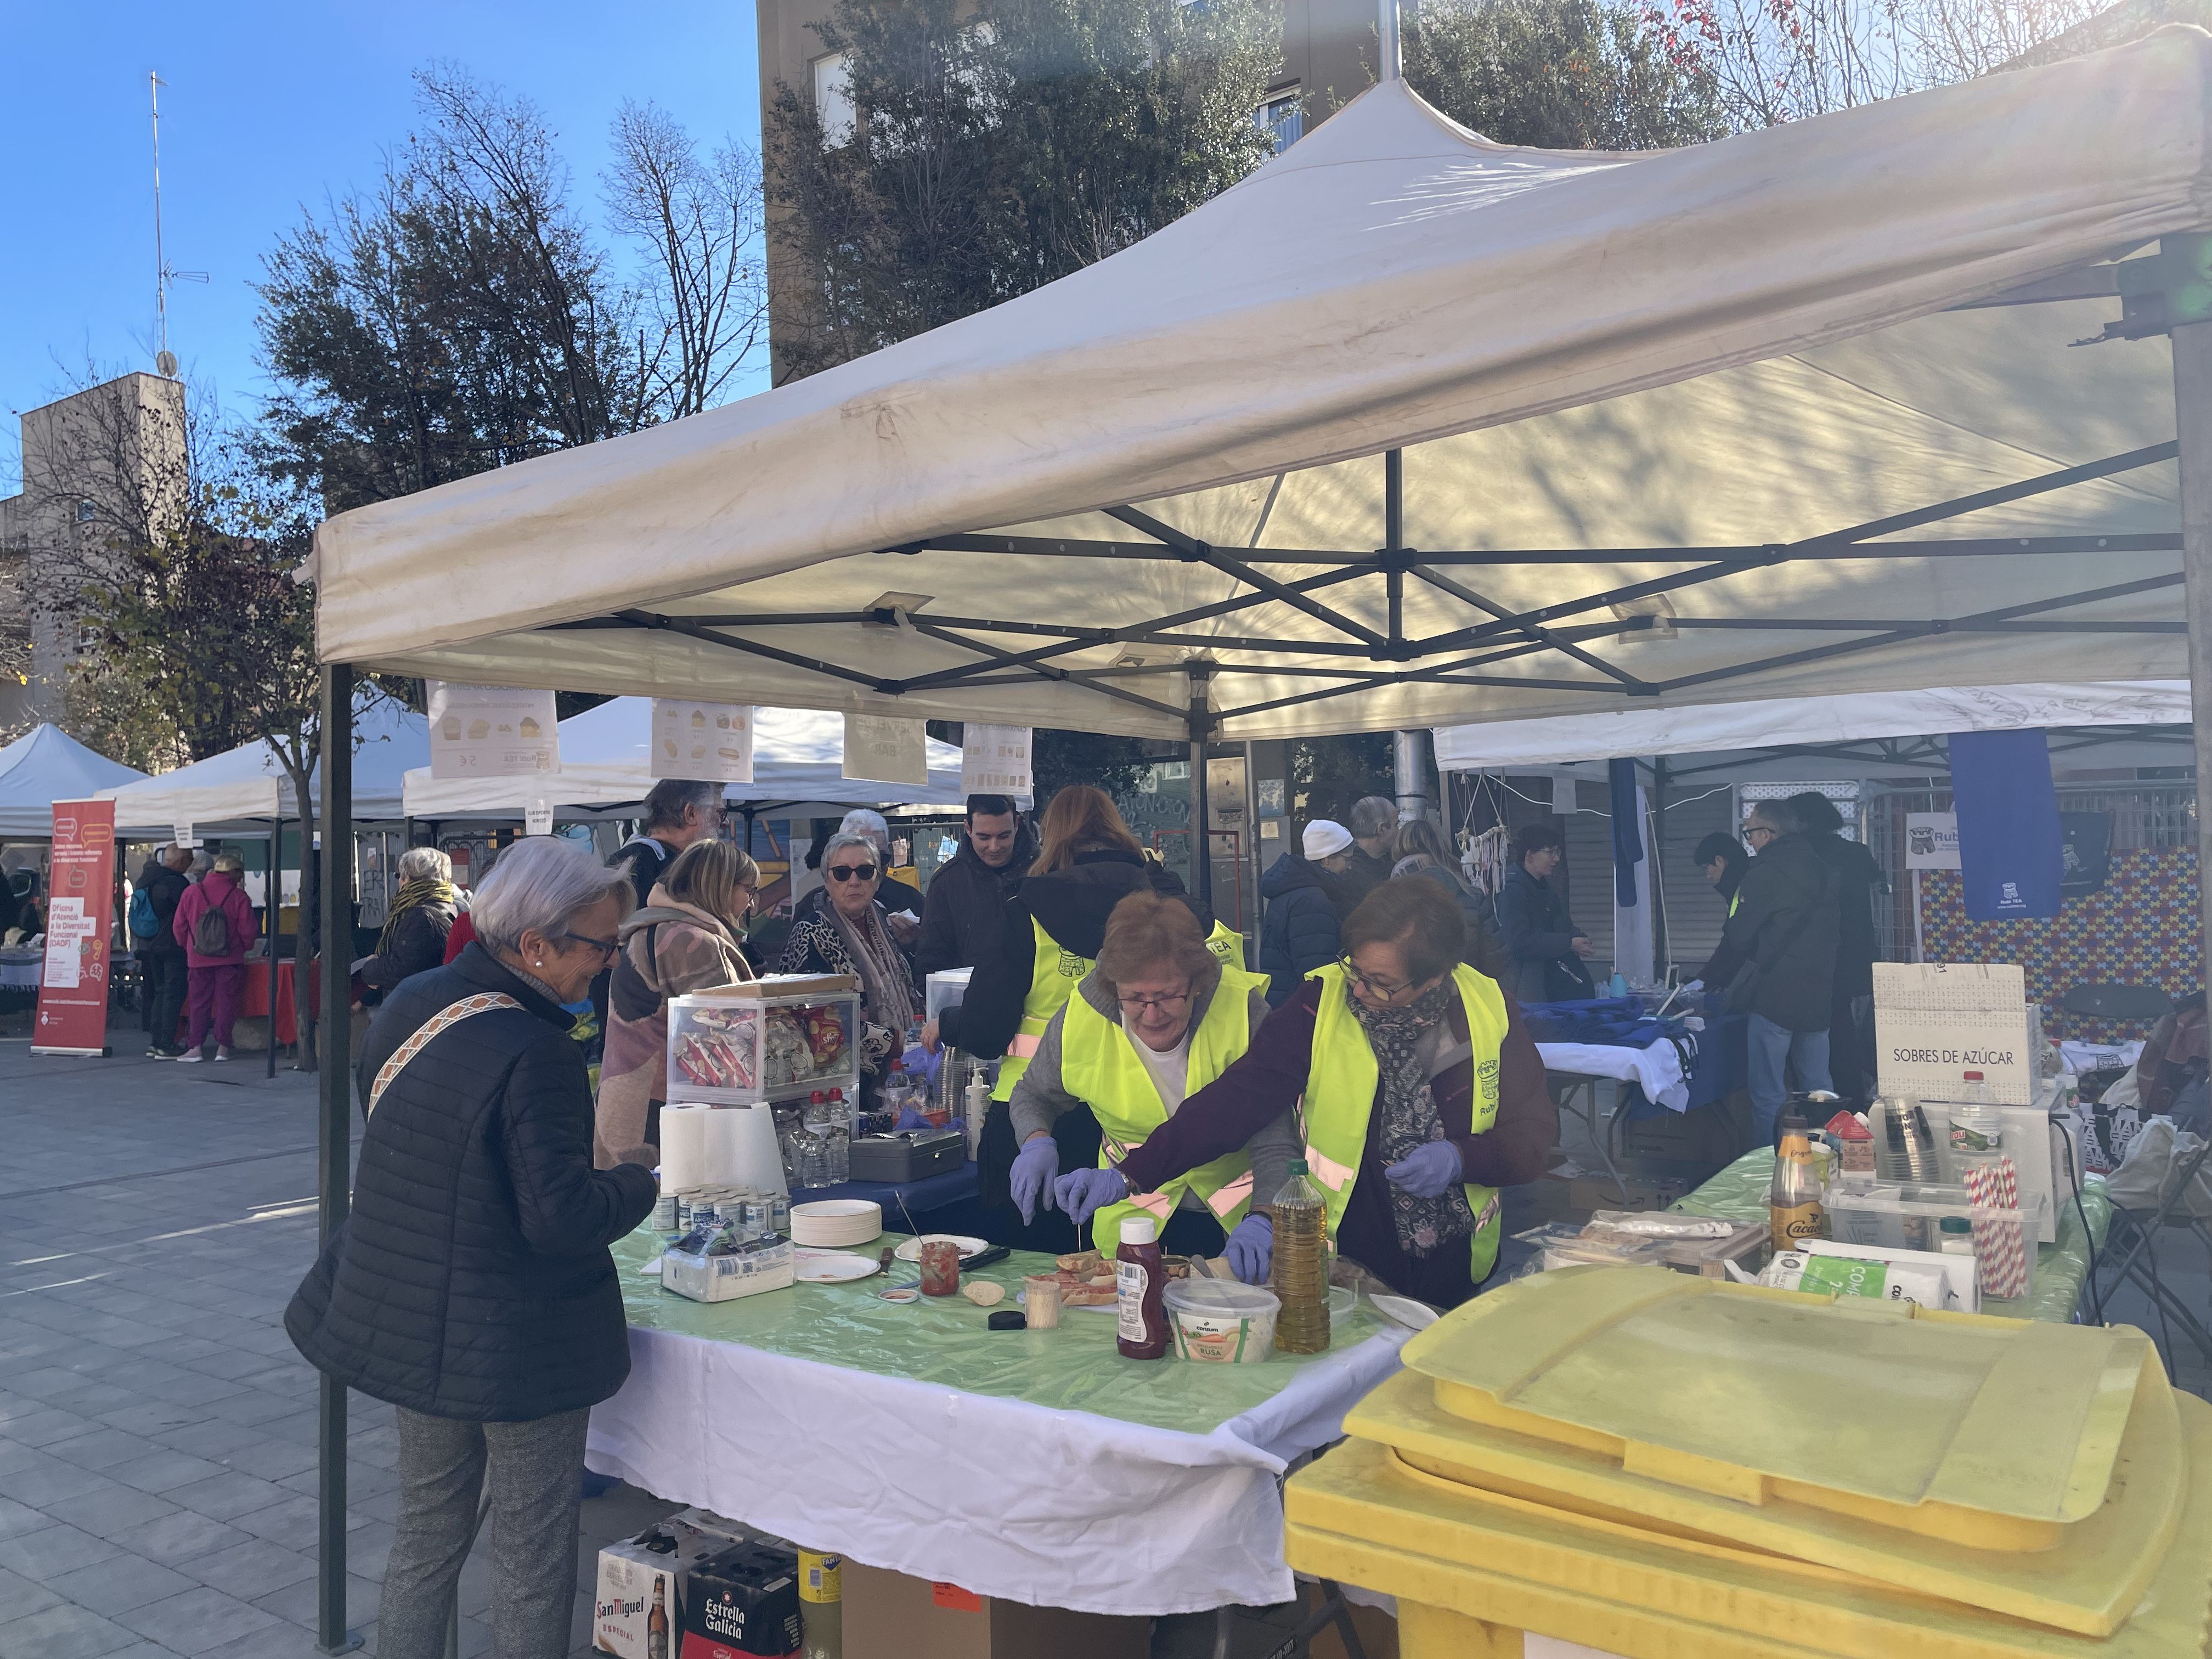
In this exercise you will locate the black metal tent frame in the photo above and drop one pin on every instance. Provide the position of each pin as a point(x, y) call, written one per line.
point(1507, 635)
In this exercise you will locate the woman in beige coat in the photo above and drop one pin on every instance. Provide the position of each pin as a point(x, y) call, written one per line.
point(686, 938)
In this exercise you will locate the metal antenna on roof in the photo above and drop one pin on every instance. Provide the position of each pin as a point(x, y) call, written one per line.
point(165, 360)
point(1393, 56)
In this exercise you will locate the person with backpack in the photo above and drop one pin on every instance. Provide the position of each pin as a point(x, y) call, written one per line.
point(153, 915)
point(215, 924)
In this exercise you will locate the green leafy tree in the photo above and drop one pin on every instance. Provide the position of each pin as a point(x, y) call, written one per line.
point(1327, 775)
point(993, 150)
point(1063, 757)
point(1559, 75)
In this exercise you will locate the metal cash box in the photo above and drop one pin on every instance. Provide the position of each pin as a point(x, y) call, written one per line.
point(908, 1156)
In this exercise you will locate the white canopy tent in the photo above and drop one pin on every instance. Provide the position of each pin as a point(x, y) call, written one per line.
point(1774, 723)
point(43, 766)
point(1731, 382)
point(243, 789)
point(798, 761)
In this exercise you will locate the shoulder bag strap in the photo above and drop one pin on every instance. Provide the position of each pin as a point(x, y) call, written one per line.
point(453, 1014)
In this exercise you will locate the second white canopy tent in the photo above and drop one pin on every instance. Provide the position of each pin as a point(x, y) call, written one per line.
point(606, 762)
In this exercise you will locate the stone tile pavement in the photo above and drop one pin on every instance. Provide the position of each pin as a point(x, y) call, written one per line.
point(157, 1431)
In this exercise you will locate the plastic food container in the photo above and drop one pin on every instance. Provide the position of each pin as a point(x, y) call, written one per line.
point(1222, 1321)
point(1619, 1459)
point(779, 1038)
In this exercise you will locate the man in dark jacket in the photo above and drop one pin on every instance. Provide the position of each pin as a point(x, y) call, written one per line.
point(1299, 931)
point(1858, 878)
point(1548, 950)
point(965, 910)
point(677, 813)
point(1777, 961)
point(160, 959)
point(1367, 867)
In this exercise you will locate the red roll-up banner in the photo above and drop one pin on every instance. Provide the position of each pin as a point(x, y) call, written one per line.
point(80, 920)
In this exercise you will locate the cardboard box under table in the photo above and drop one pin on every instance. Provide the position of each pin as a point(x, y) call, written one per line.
point(1031, 1467)
point(1662, 1467)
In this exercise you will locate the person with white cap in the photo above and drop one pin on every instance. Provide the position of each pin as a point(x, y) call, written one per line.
point(1304, 896)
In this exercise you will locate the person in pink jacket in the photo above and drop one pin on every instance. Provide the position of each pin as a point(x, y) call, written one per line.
point(215, 924)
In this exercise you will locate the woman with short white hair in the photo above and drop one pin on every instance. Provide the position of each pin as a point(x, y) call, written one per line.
point(420, 916)
point(472, 1285)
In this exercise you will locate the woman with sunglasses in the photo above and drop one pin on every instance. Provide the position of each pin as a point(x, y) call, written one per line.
point(472, 1285)
point(850, 935)
point(1422, 1096)
point(688, 937)
point(1158, 1018)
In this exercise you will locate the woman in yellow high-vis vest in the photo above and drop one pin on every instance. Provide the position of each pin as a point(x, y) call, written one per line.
point(1088, 861)
point(1421, 1097)
point(1159, 1018)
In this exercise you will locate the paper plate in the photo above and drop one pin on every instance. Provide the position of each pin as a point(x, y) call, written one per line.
point(832, 1266)
point(911, 1250)
point(833, 1222)
point(1404, 1310)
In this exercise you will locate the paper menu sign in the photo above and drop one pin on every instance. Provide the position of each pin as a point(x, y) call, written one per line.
point(882, 750)
point(711, 742)
point(184, 835)
point(1938, 1021)
point(1931, 841)
point(491, 731)
point(538, 817)
point(994, 760)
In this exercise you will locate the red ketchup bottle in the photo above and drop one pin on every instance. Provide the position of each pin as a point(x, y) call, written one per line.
point(1140, 1282)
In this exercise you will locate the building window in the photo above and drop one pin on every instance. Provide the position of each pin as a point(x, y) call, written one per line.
point(832, 98)
point(1282, 117)
point(85, 510)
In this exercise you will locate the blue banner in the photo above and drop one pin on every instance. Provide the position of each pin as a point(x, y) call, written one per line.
point(1627, 833)
point(2011, 853)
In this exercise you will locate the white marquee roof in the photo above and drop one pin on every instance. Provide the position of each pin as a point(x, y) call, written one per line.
point(43, 766)
point(1714, 377)
point(246, 786)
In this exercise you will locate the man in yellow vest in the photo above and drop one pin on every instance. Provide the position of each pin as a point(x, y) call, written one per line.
point(1421, 1094)
point(1160, 1017)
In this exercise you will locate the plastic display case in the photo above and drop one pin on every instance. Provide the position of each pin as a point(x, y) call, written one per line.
point(1912, 1219)
point(775, 1039)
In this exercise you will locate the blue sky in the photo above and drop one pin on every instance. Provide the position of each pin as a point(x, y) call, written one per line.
point(268, 110)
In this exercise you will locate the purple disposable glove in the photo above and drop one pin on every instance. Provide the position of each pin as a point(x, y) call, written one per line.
point(1427, 1172)
point(1083, 1193)
point(1035, 1166)
point(1251, 1248)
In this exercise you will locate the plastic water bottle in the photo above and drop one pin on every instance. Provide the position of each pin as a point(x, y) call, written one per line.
point(837, 1138)
point(1976, 1126)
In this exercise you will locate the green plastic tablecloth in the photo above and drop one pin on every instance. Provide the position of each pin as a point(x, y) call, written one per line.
point(1739, 1193)
point(945, 1339)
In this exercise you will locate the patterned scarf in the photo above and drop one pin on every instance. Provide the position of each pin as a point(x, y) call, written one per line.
point(886, 990)
point(423, 890)
point(1410, 1118)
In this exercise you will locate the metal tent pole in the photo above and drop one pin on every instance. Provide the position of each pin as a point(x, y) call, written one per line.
point(273, 904)
point(1201, 843)
point(1393, 55)
point(336, 1138)
point(2192, 410)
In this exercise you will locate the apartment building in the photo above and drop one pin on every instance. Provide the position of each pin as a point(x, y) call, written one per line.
point(102, 467)
point(1328, 55)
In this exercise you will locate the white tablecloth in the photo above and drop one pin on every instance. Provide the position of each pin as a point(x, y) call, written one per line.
point(1657, 1069)
point(1005, 1498)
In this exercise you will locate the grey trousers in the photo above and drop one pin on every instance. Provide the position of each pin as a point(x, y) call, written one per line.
point(536, 1471)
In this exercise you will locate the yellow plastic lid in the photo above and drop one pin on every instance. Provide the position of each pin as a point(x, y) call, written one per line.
point(1994, 1434)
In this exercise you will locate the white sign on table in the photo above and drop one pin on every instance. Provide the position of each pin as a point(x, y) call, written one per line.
point(882, 750)
point(67, 928)
point(491, 731)
point(712, 742)
point(1938, 1021)
point(1931, 841)
point(994, 760)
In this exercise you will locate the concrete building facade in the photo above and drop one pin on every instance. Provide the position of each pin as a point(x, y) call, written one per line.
point(101, 468)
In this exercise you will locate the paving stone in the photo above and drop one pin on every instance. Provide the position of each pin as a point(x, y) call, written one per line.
point(107, 1513)
point(102, 1449)
point(227, 1495)
point(176, 1539)
point(165, 1470)
point(296, 1602)
point(117, 1586)
point(256, 1567)
point(20, 1597)
point(63, 1633)
point(197, 1619)
point(278, 1641)
point(52, 1550)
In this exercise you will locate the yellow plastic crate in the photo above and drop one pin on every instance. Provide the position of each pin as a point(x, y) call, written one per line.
point(1654, 1465)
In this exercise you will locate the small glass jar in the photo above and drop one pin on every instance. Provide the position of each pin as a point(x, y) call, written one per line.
point(940, 1268)
point(1041, 1301)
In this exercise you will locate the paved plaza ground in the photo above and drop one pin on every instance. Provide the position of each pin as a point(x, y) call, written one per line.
point(157, 1431)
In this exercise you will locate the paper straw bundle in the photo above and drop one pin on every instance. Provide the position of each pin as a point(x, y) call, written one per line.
point(2000, 1246)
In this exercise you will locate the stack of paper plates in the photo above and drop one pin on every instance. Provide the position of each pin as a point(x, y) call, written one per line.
point(835, 1223)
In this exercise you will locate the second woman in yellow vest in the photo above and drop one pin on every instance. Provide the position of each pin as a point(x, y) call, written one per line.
point(1421, 1097)
point(1158, 1018)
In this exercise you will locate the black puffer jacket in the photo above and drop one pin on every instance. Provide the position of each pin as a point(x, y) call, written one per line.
point(472, 1279)
point(1784, 921)
point(1299, 933)
point(418, 943)
point(966, 906)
